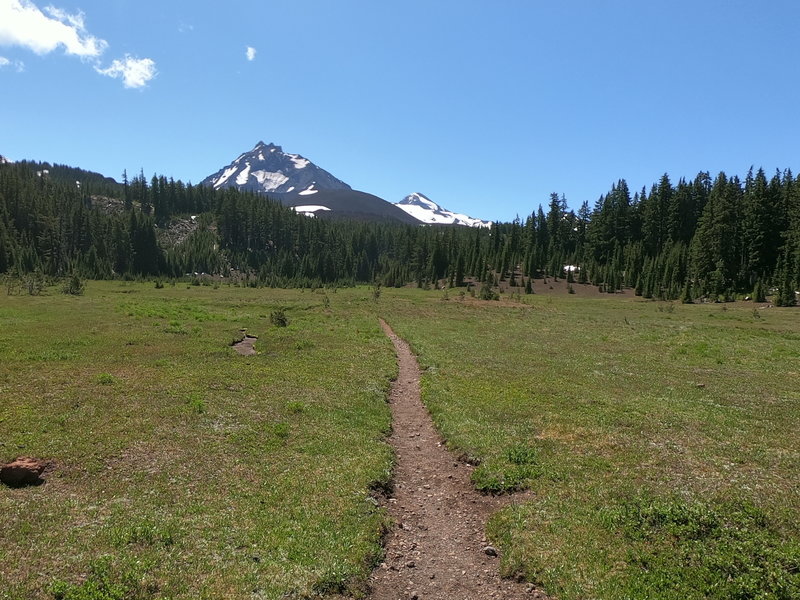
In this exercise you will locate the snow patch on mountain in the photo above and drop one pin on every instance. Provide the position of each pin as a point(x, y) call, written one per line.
point(309, 210)
point(299, 161)
point(243, 176)
point(309, 190)
point(270, 181)
point(426, 210)
point(225, 176)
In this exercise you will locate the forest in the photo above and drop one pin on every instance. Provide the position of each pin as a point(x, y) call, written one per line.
point(709, 238)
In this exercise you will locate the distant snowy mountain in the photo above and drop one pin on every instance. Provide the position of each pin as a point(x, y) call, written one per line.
point(297, 182)
point(267, 168)
point(426, 210)
point(4, 160)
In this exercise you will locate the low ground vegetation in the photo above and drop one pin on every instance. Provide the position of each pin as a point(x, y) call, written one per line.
point(181, 469)
point(658, 440)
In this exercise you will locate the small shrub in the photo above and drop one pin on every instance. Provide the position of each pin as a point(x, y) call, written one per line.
point(510, 472)
point(522, 454)
point(13, 284)
point(34, 283)
point(487, 293)
point(105, 379)
point(282, 431)
point(295, 407)
point(196, 404)
point(278, 318)
point(159, 284)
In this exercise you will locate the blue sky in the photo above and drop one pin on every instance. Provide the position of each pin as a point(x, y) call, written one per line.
point(486, 107)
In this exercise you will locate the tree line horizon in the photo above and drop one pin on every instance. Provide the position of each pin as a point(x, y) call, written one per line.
point(714, 238)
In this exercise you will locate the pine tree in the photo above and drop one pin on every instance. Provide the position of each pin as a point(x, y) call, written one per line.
point(686, 293)
point(758, 292)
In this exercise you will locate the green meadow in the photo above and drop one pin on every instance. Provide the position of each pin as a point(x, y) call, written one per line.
point(183, 470)
point(659, 442)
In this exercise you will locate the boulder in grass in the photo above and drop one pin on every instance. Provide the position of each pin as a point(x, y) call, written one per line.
point(22, 471)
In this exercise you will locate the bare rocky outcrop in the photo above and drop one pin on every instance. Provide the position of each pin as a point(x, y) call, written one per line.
point(246, 346)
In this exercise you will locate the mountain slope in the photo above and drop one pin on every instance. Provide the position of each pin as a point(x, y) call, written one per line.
point(346, 204)
point(426, 210)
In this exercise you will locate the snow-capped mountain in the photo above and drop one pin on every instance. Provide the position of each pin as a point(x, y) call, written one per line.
point(426, 210)
point(295, 181)
point(267, 168)
point(4, 160)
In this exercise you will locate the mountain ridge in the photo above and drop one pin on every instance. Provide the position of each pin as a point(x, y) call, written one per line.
point(296, 181)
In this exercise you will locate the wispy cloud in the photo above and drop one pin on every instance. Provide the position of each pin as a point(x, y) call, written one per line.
point(135, 72)
point(18, 65)
point(250, 53)
point(23, 24)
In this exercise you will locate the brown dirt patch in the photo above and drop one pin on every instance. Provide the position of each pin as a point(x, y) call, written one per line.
point(246, 346)
point(437, 549)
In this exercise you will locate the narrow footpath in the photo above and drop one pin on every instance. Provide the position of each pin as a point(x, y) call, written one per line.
point(437, 549)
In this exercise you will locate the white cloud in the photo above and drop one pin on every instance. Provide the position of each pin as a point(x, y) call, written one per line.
point(250, 53)
point(23, 24)
point(135, 72)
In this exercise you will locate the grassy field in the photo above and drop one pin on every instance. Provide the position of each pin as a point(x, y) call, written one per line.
point(661, 441)
point(183, 470)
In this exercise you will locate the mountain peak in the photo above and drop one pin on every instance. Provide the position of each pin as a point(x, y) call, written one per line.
point(268, 147)
point(419, 199)
point(426, 210)
point(268, 169)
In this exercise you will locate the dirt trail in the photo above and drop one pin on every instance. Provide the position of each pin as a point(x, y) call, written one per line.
point(437, 549)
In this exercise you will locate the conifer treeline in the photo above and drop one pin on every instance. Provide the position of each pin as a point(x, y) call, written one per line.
point(706, 237)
